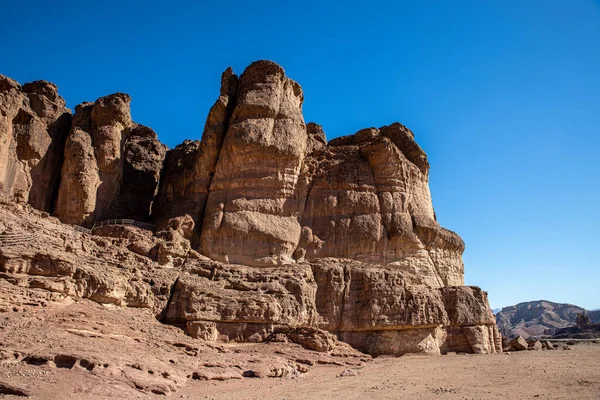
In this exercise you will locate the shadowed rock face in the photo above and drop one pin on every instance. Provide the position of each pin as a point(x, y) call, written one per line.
point(190, 167)
point(34, 123)
point(111, 165)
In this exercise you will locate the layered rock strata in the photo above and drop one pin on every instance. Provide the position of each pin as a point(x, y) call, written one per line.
point(375, 309)
point(265, 231)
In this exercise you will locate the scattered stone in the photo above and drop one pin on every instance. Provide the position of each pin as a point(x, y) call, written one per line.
point(518, 344)
point(348, 372)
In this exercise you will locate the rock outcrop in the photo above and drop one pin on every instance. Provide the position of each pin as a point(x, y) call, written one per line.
point(367, 198)
point(111, 165)
point(264, 230)
point(377, 310)
point(34, 123)
point(190, 167)
point(252, 209)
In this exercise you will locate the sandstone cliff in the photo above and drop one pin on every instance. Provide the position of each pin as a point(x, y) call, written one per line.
point(111, 165)
point(264, 188)
point(264, 230)
point(34, 123)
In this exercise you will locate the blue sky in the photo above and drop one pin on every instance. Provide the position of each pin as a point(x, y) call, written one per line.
point(503, 95)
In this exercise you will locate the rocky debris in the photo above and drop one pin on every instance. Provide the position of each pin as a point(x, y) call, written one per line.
point(111, 165)
point(547, 345)
point(534, 345)
point(309, 338)
point(518, 344)
point(34, 123)
point(348, 372)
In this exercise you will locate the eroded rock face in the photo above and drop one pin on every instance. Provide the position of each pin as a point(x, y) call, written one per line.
point(375, 309)
point(367, 199)
point(34, 123)
point(252, 210)
point(111, 165)
point(297, 239)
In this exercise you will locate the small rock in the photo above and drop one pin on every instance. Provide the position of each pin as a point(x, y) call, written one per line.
point(348, 372)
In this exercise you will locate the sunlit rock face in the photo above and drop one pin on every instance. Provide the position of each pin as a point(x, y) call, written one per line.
point(262, 226)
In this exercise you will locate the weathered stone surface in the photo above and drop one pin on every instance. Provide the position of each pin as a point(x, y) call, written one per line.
point(111, 165)
point(34, 123)
point(243, 295)
point(375, 309)
point(367, 200)
point(252, 210)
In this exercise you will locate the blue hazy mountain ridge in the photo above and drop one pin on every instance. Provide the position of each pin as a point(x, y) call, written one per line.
point(540, 317)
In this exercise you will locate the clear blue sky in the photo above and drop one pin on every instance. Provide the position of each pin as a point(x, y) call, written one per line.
point(503, 95)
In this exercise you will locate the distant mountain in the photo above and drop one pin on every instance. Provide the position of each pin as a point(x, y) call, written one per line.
point(538, 318)
point(496, 310)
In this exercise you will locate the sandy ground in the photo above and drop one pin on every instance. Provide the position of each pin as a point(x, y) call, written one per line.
point(573, 374)
point(80, 350)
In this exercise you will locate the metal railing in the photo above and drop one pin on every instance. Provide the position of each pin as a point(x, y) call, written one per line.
point(123, 222)
point(15, 239)
point(82, 229)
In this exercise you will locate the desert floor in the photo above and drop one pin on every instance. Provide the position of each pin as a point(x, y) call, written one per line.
point(561, 374)
point(102, 353)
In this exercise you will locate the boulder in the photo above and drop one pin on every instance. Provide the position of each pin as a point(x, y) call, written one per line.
point(518, 344)
point(535, 345)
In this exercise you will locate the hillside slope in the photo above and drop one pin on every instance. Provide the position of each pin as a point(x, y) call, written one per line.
point(537, 318)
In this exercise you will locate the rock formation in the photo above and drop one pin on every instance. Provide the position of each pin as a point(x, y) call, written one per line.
point(264, 230)
point(111, 165)
point(34, 123)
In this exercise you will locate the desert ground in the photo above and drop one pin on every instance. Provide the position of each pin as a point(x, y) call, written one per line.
point(573, 374)
point(82, 350)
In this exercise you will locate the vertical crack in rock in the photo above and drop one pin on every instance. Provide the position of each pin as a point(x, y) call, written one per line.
point(163, 315)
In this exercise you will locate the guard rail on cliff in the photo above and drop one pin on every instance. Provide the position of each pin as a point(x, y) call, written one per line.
point(15, 239)
point(123, 222)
